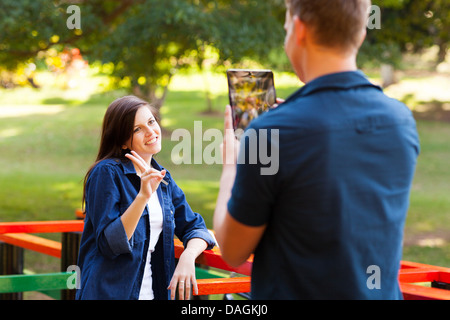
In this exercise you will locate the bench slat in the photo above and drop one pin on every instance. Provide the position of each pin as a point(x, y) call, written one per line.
point(35, 243)
point(34, 282)
point(213, 258)
point(41, 226)
point(223, 285)
point(416, 292)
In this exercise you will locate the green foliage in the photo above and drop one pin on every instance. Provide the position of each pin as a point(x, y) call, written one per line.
point(27, 27)
point(147, 41)
point(246, 29)
point(407, 25)
point(169, 36)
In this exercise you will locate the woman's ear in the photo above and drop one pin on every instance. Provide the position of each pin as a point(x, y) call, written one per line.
point(125, 150)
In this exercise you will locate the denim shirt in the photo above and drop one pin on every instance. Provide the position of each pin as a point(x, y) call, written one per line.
point(112, 266)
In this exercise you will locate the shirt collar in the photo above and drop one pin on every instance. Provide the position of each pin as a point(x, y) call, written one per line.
point(334, 81)
point(128, 167)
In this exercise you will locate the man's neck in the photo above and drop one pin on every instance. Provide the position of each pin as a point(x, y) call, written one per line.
point(321, 62)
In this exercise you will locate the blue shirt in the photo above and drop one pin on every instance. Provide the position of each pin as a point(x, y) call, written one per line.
point(112, 266)
point(335, 209)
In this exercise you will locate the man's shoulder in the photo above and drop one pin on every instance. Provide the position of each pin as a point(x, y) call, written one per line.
point(287, 111)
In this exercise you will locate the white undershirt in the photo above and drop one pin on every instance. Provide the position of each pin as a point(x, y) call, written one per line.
point(156, 222)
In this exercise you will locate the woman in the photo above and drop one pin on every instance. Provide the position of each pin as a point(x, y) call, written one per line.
point(133, 209)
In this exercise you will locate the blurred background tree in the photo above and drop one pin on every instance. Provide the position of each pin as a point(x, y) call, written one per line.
point(145, 42)
point(407, 26)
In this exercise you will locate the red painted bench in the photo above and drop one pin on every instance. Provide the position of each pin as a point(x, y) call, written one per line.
point(17, 233)
point(411, 274)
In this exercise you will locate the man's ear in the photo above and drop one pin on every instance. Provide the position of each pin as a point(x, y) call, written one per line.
point(363, 37)
point(300, 30)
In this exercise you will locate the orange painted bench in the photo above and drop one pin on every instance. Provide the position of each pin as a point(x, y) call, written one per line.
point(411, 274)
point(34, 243)
point(42, 226)
point(212, 258)
point(16, 233)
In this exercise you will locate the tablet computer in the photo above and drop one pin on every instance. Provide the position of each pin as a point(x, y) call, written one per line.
point(251, 93)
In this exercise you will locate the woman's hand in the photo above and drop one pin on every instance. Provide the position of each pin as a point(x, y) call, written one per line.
point(150, 178)
point(184, 275)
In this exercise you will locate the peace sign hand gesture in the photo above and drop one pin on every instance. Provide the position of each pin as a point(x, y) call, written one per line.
point(150, 178)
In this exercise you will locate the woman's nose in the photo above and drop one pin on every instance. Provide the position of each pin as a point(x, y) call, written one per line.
point(149, 131)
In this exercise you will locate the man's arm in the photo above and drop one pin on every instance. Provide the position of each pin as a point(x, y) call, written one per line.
point(236, 240)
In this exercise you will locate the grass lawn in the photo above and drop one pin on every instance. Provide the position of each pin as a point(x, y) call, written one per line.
point(50, 137)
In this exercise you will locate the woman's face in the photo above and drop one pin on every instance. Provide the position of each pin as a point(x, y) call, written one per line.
point(146, 139)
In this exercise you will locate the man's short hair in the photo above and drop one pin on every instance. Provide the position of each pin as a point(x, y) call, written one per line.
point(335, 23)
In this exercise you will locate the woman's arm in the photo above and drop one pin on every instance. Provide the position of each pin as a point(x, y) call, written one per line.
point(150, 180)
point(184, 275)
point(131, 216)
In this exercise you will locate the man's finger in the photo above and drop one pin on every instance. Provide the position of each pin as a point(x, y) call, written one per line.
point(228, 123)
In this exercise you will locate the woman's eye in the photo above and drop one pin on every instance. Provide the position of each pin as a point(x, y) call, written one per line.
point(137, 129)
point(151, 121)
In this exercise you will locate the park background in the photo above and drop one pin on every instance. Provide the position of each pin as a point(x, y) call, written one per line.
point(57, 81)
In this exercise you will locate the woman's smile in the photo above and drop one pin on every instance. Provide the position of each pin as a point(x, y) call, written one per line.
point(152, 141)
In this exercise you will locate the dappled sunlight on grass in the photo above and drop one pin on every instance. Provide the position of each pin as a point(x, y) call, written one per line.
point(14, 111)
point(11, 132)
point(415, 92)
point(432, 242)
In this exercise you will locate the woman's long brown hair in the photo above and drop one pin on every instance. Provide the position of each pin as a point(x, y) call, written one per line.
point(117, 129)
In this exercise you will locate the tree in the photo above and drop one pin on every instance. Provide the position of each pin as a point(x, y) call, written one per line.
point(408, 25)
point(171, 35)
point(147, 41)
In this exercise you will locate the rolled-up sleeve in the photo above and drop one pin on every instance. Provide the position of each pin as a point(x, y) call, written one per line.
point(103, 210)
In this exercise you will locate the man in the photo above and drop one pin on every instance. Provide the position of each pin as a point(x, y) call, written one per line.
point(329, 224)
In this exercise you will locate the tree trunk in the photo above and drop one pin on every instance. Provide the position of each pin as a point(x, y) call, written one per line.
point(151, 95)
point(442, 54)
point(387, 75)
